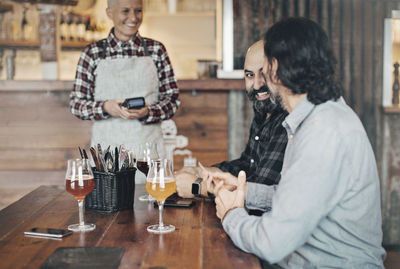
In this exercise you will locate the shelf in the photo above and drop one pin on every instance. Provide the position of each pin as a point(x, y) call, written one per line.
point(35, 44)
point(19, 44)
point(74, 44)
point(391, 109)
point(180, 14)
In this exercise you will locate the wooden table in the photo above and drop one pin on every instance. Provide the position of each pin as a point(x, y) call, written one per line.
point(198, 242)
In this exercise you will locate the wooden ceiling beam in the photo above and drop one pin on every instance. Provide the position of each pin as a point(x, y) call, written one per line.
point(55, 2)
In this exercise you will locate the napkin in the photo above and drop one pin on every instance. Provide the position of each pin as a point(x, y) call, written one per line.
point(84, 258)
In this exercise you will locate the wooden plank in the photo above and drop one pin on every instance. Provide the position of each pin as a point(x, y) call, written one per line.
point(158, 251)
point(59, 213)
point(16, 214)
point(206, 158)
point(14, 115)
point(368, 116)
point(204, 99)
point(217, 242)
point(211, 84)
point(346, 25)
point(201, 121)
point(61, 140)
point(67, 85)
point(357, 48)
point(21, 98)
point(36, 159)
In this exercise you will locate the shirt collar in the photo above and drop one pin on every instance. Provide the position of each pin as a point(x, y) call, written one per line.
point(298, 115)
point(116, 44)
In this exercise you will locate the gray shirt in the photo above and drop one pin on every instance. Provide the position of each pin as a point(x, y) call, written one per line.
point(326, 209)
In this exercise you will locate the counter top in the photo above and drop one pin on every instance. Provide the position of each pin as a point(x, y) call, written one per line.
point(66, 85)
point(198, 242)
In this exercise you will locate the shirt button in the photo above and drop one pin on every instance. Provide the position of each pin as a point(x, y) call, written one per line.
point(252, 160)
point(291, 136)
point(256, 138)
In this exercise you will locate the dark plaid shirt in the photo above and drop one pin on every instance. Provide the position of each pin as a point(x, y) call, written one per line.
point(263, 157)
point(82, 103)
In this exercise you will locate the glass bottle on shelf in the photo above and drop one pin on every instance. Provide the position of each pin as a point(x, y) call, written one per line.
point(88, 29)
point(80, 27)
point(396, 85)
point(73, 27)
point(64, 27)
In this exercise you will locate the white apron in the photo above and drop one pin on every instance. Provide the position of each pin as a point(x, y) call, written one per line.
point(125, 78)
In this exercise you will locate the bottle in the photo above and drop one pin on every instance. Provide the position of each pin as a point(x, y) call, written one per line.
point(80, 27)
point(88, 32)
point(23, 25)
point(396, 85)
point(63, 28)
point(73, 27)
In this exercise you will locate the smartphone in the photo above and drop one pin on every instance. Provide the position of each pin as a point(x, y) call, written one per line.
point(134, 103)
point(177, 203)
point(48, 232)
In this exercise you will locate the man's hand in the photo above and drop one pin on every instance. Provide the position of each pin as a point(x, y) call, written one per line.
point(184, 182)
point(213, 177)
point(226, 200)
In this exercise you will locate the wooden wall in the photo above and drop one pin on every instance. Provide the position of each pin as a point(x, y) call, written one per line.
point(355, 28)
point(38, 132)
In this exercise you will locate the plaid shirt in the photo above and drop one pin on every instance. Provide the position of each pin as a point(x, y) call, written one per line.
point(82, 102)
point(263, 157)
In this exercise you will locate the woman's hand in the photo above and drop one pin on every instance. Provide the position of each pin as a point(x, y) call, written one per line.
point(131, 114)
point(113, 108)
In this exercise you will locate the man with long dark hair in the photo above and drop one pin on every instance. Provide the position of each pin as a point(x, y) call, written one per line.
point(326, 210)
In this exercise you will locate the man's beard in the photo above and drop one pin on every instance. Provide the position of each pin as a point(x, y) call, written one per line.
point(263, 107)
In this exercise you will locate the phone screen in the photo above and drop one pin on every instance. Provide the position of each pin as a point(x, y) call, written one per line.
point(48, 232)
point(135, 103)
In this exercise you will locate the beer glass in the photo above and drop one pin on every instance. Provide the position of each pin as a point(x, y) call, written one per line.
point(147, 152)
point(160, 183)
point(79, 181)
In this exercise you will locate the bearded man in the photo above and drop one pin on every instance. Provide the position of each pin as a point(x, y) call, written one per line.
point(263, 156)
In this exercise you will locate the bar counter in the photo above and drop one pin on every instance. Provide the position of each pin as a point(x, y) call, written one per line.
point(62, 85)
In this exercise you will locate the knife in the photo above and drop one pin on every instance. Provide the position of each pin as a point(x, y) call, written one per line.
point(85, 156)
point(80, 152)
point(116, 163)
point(95, 160)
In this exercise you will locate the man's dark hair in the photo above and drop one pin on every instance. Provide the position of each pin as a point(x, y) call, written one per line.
point(306, 63)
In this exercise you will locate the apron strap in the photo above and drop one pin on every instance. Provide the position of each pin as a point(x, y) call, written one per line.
point(146, 51)
point(103, 53)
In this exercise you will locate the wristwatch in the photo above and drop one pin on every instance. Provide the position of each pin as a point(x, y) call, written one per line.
point(196, 187)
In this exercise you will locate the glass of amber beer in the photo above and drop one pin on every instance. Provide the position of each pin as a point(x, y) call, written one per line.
point(79, 182)
point(146, 153)
point(160, 183)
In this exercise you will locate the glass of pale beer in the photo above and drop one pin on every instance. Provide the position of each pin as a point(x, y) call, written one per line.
point(79, 181)
point(160, 184)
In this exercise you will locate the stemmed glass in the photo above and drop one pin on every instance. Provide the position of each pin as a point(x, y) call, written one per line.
point(79, 181)
point(160, 183)
point(147, 152)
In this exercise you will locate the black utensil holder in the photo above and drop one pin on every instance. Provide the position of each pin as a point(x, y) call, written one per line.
point(113, 191)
